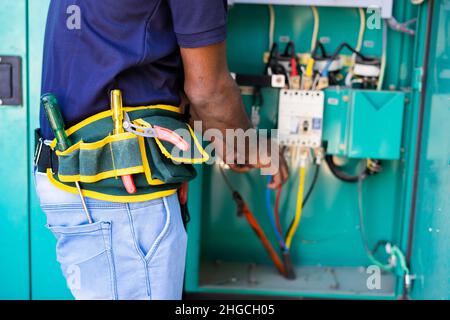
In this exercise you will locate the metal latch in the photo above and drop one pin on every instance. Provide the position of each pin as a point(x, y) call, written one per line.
point(418, 79)
point(11, 80)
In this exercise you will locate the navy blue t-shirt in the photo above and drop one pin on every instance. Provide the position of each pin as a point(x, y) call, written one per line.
point(132, 45)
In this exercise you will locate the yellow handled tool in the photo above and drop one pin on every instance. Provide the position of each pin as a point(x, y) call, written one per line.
point(117, 115)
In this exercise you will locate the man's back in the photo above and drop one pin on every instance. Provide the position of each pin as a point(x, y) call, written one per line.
point(132, 45)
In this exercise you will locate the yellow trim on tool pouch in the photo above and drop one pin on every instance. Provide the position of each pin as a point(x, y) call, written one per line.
point(100, 176)
point(69, 150)
point(106, 197)
point(98, 144)
point(198, 145)
point(147, 170)
point(108, 113)
point(204, 158)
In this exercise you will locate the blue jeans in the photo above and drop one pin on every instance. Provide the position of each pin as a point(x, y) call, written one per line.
point(130, 251)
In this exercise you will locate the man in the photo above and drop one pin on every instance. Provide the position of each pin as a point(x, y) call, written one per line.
point(152, 50)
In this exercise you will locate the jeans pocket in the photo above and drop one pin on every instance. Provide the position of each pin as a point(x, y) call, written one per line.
point(85, 255)
point(149, 224)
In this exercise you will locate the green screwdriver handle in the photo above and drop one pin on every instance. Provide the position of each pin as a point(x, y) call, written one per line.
point(53, 113)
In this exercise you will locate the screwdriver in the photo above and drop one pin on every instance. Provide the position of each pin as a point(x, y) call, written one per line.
point(53, 113)
point(117, 115)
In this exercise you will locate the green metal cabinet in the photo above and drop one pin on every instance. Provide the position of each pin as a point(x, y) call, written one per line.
point(28, 268)
point(224, 256)
point(14, 182)
point(47, 281)
point(430, 254)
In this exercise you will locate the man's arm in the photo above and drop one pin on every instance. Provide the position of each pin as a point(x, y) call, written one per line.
point(215, 98)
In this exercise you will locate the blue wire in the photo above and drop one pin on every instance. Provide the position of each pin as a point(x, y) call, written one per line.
point(325, 70)
point(270, 214)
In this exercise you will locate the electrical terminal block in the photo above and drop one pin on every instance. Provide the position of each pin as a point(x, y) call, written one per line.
point(295, 82)
point(319, 155)
point(307, 83)
point(323, 83)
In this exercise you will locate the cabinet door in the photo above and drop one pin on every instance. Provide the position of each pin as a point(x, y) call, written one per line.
point(14, 178)
point(47, 281)
point(430, 260)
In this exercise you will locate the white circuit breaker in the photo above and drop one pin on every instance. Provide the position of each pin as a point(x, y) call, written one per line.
point(300, 118)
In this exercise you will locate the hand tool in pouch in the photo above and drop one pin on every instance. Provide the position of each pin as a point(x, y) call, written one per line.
point(56, 121)
point(117, 115)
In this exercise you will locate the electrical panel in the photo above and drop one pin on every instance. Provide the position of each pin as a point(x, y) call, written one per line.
point(342, 135)
point(300, 118)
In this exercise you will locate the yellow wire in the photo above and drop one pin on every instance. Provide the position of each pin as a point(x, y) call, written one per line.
point(298, 211)
point(271, 25)
point(362, 29)
point(316, 28)
point(383, 59)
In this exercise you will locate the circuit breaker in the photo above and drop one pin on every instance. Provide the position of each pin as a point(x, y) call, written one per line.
point(300, 118)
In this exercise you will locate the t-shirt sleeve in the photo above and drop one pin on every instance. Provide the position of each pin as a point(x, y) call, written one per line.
point(199, 23)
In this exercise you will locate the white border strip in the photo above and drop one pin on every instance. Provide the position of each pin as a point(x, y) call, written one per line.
point(385, 5)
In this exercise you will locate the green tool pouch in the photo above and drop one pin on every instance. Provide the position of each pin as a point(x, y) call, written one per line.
point(98, 158)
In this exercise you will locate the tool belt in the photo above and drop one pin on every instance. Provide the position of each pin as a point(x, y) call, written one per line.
point(98, 157)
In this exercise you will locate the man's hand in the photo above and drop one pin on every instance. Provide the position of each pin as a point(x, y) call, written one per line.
point(216, 101)
point(278, 179)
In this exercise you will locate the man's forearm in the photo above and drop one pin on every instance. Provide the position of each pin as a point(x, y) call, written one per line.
point(213, 94)
point(222, 109)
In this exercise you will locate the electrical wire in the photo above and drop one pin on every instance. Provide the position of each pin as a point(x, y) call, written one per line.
point(315, 33)
point(277, 211)
point(362, 229)
point(383, 57)
point(320, 46)
point(271, 25)
point(343, 176)
point(225, 178)
point(392, 250)
point(254, 224)
point(271, 215)
point(298, 211)
point(312, 185)
point(309, 191)
point(272, 66)
point(267, 245)
point(362, 29)
point(343, 45)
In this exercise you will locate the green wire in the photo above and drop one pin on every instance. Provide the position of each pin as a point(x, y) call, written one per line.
point(395, 251)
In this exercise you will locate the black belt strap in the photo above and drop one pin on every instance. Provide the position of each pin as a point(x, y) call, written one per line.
point(44, 156)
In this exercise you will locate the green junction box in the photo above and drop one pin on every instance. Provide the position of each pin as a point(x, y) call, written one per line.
point(405, 126)
point(364, 124)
